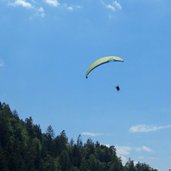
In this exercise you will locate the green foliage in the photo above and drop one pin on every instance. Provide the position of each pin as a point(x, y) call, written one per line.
point(23, 147)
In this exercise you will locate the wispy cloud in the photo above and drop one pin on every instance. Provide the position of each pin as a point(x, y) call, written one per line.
point(22, 3)
point(113, 6)
point(34, 6)
point(70, 7)
point(125, 151)
point(146, 149)
point(37, 7)
point(147, 128)
point(92, 134)
point(40, 11)
point(66, 6)
point(53, 3)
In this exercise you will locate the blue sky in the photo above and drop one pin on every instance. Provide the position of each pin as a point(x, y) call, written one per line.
point(46, 47)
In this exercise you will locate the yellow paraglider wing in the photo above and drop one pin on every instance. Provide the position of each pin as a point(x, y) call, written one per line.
point(103, 61)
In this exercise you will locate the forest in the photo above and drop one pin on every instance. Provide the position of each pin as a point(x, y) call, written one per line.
point(24, 147)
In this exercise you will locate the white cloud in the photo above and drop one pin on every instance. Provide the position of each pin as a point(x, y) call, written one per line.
point(22, 3)
point(54, 3)
point(146, 128)
point(70, 7)
point(125, 151)
point(91, 134)
point(142, 149)
point(147, 149)
point(113, 6)
point(37, 7)
point(34, 6)
point(41, 11)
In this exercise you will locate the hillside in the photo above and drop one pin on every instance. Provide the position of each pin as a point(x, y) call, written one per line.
point(23, 147)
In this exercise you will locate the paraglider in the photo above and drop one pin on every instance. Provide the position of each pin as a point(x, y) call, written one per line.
point(103, 61)
point(117, 88)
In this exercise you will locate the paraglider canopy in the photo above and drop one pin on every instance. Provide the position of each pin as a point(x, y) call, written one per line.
point(103, 61)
